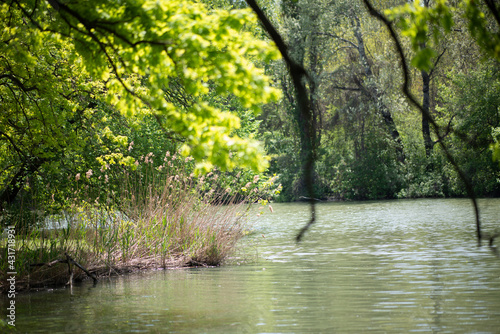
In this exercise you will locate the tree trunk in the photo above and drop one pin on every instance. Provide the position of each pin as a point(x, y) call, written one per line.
point(426, 84)
point(426, 133)
point(374, 93)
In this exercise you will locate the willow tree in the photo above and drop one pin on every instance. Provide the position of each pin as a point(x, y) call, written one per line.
point(418, 22)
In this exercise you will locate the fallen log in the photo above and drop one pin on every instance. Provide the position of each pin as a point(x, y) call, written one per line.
point(89, 274)
point(69, 260)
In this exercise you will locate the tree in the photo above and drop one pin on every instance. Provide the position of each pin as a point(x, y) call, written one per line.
point(473, 100)
point(298, 21)
point(369, 87)
point(414, 20)
point(69, 70)
point(425, 26)
point(344, 89)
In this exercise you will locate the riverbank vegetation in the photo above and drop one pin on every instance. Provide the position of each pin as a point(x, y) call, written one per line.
point(126, 133)
point(149, 217)
point(135, 134)
point(373, 142)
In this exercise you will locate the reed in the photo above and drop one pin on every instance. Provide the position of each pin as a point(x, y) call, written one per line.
point(158, 217)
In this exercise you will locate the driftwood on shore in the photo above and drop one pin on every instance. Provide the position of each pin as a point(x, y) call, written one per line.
point(69, 260)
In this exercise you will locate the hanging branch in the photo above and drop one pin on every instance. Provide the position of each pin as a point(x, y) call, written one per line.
point(406, 91)
point(304, 112)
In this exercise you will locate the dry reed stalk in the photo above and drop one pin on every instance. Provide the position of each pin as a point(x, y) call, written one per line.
point(160, 220)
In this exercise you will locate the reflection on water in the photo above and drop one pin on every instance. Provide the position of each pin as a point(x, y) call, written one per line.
point(381, 267)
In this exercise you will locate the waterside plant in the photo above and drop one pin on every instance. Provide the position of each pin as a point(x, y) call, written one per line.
point(151, 217)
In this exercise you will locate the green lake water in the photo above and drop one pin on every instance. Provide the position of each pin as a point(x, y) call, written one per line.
point(365, 267)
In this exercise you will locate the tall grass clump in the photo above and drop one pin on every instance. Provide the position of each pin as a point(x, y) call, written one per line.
point(148, 216)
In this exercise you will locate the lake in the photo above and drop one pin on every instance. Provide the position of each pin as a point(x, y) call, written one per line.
point(379, 267)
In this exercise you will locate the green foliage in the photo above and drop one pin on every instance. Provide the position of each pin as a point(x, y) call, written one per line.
point(418, 22)
point(480, 27)
point(161, 41)
point(281, 143)
point(83, 83)
point(370, 171)
point(105, 89)
point(427, 177)
point(353, 93)
point(473, 99)
point(495, 147)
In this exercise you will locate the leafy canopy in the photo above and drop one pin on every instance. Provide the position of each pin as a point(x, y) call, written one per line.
point(131, 51)
point(418, 21)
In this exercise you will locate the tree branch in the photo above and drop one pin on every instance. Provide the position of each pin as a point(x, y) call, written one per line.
point(406, 90)
point(436, 62)
point(304, 112)
point(11, 141)
point(493, 9)
point(346, 88)
point(17, 82)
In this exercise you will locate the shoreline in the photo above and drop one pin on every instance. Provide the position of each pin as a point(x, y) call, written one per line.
point(135, 266)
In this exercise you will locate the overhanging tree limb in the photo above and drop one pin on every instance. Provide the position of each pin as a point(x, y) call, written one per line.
point(304, 113)
point(406, 90)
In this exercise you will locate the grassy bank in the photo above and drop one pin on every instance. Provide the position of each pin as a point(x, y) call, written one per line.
point(150, 219)
point(108, 242)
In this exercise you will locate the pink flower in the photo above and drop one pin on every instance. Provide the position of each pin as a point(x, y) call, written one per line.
point(88, 174)
point(77, 177)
